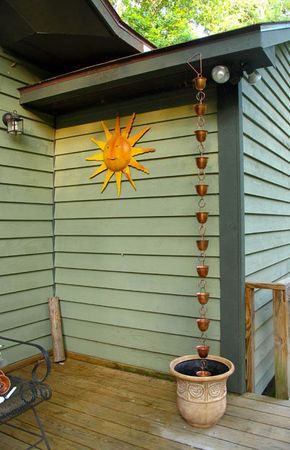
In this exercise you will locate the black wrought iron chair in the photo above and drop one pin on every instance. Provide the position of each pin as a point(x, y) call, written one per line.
point(27, 395)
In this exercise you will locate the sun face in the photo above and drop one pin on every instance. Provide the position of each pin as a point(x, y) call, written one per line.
point(118, 154)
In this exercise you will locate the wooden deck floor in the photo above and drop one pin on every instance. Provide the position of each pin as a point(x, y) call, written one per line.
point(95, 407)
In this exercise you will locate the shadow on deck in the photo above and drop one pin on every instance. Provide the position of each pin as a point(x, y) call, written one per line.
point(95, 407)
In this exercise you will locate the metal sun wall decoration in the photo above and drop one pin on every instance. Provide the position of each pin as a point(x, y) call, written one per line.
point(118, 153)
point(202, 268)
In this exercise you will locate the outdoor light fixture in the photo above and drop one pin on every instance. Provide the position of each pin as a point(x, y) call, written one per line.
point(253, 77)
point(220, 74)
point(13, 122)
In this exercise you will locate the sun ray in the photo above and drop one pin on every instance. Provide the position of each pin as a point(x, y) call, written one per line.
point(126, 172)
point(107, 179)
point(117, 126)
point(99, 170)
point(139, 150)
point(138, 166)
point(133, 139)
point(117, 153)
point(106, 130)
point(128, 128)
point(96, 157)
point(118, 176)
point(100, 144)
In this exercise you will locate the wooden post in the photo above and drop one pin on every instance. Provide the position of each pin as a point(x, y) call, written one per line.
point(280, 326)
point(56, 329)
point(250, 336)
point(280, 330)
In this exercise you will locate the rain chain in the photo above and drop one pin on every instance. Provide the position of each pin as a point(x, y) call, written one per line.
point(202, 215)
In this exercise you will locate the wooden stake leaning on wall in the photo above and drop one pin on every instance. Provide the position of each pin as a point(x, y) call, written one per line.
point(56, 329)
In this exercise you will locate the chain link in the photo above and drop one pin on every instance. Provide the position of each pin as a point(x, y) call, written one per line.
point(202, 230)
point(203, 311)
point(201, 203)
point(200, 96)
point(202, 284)
point(201, 175)
point(200, 122)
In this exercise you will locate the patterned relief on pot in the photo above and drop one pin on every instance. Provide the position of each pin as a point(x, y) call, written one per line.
point(190, 391)
point(217, 390)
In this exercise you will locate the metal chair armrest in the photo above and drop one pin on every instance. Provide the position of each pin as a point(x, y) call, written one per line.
point(35, 367)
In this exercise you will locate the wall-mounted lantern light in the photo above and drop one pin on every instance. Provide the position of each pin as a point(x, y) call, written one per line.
point(220, 74)
point(13, 122)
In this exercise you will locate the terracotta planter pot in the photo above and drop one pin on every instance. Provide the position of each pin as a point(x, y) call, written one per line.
point(201, 162)
point(201, 401)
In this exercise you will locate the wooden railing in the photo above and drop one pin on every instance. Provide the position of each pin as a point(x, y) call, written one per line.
point(280, 332)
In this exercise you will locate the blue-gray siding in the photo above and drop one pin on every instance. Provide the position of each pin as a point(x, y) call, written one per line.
point(267, 195)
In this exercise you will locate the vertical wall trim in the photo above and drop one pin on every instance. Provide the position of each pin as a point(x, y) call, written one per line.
point(53, 212)
point(232, 248)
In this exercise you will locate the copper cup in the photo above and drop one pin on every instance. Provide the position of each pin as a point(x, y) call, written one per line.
point(201, 189)
point(203, 324)
point(202, 216)
point(202, 244)
point(202, 297)
point(200, 135)
point(202, 351)
point(203, 373)
point(200, 109)
point(199, 83)
point(201, 161)
point(202, 271)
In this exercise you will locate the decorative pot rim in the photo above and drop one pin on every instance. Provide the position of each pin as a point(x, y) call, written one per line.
point(193, 378)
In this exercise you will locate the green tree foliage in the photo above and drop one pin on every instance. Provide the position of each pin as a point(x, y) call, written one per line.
point(167, 22)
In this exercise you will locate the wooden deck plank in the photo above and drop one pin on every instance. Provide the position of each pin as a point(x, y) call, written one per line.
point(262, 430)
point(73, 433)
point(267, 399)
point(8, 442)
point(96, 407)
point(144, 421)
point(260, 405)
point(20, 435)
point(56, 442)
point(266, 418)
point(267, 436)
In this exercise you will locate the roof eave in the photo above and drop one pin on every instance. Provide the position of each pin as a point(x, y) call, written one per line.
point(120, 28)
point(249, 48)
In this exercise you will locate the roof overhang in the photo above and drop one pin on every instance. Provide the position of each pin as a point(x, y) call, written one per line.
point(61, 36)
point(245, 49)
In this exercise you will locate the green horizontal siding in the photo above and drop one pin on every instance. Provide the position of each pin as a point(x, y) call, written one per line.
point(148, 226)
point(125, 267)
point(168, 284)
point(170, 304)
point(132, 245)
point(26, 245)
point(267, 214)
